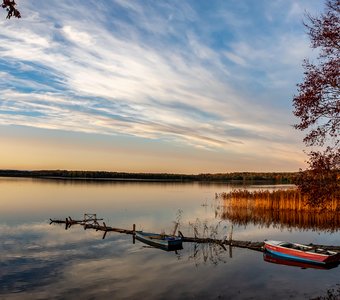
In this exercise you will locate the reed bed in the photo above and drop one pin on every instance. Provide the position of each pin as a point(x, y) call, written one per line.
point(290, 199)
point(280, 208)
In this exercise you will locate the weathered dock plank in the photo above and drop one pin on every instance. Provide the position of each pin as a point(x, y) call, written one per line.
point(107, 228)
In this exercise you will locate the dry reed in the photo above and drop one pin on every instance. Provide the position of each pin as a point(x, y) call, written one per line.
point(280, 208)
point(290, 199)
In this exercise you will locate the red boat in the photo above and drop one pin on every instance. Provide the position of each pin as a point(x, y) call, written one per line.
point(301, 252)
point(272, 258)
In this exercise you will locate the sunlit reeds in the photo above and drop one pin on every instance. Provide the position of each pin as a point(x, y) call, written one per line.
point(281, 208)
point(290, 199)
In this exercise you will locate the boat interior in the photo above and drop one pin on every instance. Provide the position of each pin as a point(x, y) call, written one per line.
point(306, 248)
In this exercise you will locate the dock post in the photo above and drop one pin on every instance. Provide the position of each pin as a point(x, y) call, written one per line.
point(231, 242)
point(231, 235)
point(175, 229)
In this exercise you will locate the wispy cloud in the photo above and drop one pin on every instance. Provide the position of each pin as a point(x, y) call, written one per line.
point(152, 70)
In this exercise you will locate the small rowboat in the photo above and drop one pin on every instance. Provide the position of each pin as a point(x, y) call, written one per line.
point(301, 252)
point(162, 241)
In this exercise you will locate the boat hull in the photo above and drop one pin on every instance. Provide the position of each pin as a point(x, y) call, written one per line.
point(301, 253)
point(272, 258)
point(168, 243)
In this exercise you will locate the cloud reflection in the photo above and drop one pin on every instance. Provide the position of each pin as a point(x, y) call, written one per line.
point(46, 262)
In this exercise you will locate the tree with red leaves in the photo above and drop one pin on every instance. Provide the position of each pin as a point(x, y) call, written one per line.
point(9, 5)
point(317, 105)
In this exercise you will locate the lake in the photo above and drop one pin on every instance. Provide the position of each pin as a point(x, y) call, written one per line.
point(43, 261)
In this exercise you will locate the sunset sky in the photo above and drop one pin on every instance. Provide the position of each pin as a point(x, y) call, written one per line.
point(153, 86)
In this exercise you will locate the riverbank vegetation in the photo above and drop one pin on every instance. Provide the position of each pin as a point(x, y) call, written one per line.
point(275, 178)
point(279, 208)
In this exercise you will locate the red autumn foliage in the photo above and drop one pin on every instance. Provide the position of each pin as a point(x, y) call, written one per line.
point(317, 105)
point(320, 183)
point(9, 5)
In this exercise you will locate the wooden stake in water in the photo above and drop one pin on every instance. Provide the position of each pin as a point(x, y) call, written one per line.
point(175, 229)
point(231, 241)
point(231, 234)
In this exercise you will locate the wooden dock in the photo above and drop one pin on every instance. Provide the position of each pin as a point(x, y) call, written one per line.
point(90, 221)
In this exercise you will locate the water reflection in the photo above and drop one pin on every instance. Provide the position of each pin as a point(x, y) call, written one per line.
point(42, 261)
point(205, 253)
point(45, 260)
point(48, 262)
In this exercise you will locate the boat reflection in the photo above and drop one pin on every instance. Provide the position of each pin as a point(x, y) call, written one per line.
point(272, 258)
point(167, 249)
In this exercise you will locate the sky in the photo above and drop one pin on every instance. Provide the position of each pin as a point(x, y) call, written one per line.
point(174, 86)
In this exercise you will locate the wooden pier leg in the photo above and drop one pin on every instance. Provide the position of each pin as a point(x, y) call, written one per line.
point(134, 234)
point(175, 229)
point(231, 234)
point(231, 242)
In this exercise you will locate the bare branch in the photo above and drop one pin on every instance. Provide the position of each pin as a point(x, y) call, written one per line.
point(9, 5)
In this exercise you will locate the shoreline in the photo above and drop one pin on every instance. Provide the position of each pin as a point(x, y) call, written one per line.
point(93, 179)
point(104, 176)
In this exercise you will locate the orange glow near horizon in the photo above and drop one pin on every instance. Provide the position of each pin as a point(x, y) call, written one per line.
point(73, 152)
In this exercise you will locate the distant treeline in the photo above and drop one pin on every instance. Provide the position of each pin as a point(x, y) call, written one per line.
point(286, 177)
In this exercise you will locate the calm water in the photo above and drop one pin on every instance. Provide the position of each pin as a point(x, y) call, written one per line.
point(42, 261)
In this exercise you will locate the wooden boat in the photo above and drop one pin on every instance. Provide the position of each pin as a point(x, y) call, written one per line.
point(275, 259)
point(301, 252)
point(162, 241)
